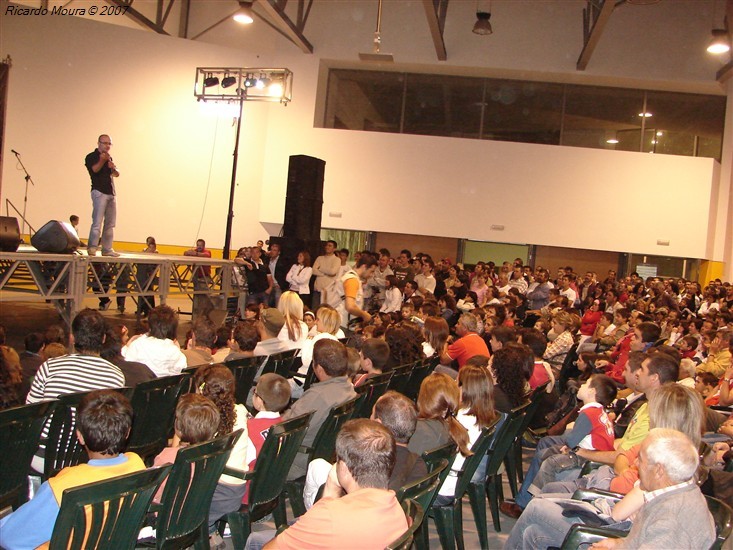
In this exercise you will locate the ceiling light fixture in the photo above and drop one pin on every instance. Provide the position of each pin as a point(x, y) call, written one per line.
point(645, 115)
point(720, 42)
point(482, 25)
point(244, 14)
point(376, 54)
point(228, 81)
point(612, 141)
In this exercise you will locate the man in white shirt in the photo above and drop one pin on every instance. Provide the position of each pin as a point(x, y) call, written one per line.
point(326, 269)
point(566, 291)
point(425, 280)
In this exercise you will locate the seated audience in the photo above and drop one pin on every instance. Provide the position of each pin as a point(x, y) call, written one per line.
point(158, 348)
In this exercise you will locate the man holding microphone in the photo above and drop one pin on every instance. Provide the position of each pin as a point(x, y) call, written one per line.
point(104, 206)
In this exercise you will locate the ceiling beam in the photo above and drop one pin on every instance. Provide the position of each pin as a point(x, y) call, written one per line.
point(435, 11)
point(135, 15)
point(275, 10)
point(595, 17)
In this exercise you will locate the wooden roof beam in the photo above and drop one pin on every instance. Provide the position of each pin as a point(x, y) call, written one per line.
point(275, 10)
point(595, 17)
point(435, 11)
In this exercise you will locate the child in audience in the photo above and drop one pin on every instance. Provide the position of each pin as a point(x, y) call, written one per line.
point(353, 364)
point(197, 420)
point(104, 419)
point(592, 430)
point(706, 384)
point(270, 398)
point(374, 355)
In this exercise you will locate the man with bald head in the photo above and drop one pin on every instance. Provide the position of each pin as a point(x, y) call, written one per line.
point(101, 170)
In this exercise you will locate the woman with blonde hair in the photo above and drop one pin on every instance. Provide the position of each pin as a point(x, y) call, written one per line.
point(437, 407)
point(328, 326)
point(294, 332)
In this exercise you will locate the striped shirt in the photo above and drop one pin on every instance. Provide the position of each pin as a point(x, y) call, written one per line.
point(70, 374)
point(73, 373)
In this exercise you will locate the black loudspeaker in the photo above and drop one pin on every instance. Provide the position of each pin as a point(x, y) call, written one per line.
point(56, 237)
point(9, 234)
point(304, 200)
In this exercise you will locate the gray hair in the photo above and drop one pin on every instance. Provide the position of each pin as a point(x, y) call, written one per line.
point(674, 451)
point(469, 322)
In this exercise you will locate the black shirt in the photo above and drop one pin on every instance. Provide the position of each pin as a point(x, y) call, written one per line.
point(257, 278)
point(102, 180)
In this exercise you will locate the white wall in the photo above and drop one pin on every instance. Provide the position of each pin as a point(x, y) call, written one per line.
point(74, 78)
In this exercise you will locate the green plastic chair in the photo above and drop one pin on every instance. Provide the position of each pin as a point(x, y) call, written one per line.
point(400, 377)
point(419, 372)
point(449, 518)
point(434, 457)
point(183, 512)
point(513, 461)
point(106, 514)
point(20, 432)
point(62, 447)
point(415, 514)
point(244, 371)
point(374, 388)
point(491, 486)
point(267, 480)
point(423, 492)
point(154, 405)
point(324, 446)
point(280, 363)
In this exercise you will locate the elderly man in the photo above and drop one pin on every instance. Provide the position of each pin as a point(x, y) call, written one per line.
point(356, 510)
point(673, 513)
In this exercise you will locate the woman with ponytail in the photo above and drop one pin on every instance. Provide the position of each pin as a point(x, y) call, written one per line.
point(476, 412)
point(437, 407)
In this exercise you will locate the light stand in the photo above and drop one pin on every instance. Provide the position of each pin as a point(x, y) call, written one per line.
point(28, 179)
point(227, 85)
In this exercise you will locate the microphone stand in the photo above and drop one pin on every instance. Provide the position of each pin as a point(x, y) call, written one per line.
point(28, 179)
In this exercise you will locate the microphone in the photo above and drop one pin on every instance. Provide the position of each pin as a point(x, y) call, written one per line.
point(15, 152)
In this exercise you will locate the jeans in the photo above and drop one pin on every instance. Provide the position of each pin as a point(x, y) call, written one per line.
point(275, 296)
point(524, 496)
point(258, 539)
point(542, 524)
point(104, 207)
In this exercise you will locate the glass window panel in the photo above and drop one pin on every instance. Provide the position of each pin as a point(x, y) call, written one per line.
point(666, 266)
point(602, 118)
point(364, 100)
point(440, 105)
point(679, 120)
point(528, 112)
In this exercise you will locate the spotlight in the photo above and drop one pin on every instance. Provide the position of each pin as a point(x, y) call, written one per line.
point(228, 81)
point(210, 81)
point(482, 26)
point(244, 13)
point(250, 81)
point(720, 42)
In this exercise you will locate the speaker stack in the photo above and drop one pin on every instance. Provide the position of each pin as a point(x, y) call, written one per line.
point(303, 208)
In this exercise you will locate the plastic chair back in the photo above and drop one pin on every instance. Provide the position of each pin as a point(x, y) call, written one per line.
point(20, 432)
point(106, 514)
point(504, 439)
point(244, 371)
point(415, 515)
point(154, 405)
point(324, 444)
point(423, 490)
point(400, 377)
point(62, 446)
point(418, 374)
point(434, 457)
point(183, 516)
point(274, 462)
point(374, 388)
point(479, 449)
point(723, 518)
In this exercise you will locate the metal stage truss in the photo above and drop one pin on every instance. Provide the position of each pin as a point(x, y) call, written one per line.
point(65, 280)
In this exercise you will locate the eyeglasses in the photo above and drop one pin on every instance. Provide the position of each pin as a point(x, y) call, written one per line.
point(105, 143)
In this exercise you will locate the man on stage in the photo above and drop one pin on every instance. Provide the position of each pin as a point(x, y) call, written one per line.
point(102, 170)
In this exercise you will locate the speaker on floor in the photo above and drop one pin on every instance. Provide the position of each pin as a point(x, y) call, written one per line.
point(9, 234)
point(304, 200)
point(56, 237)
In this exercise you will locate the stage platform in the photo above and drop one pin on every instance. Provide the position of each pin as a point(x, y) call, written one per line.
point(66, 280)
